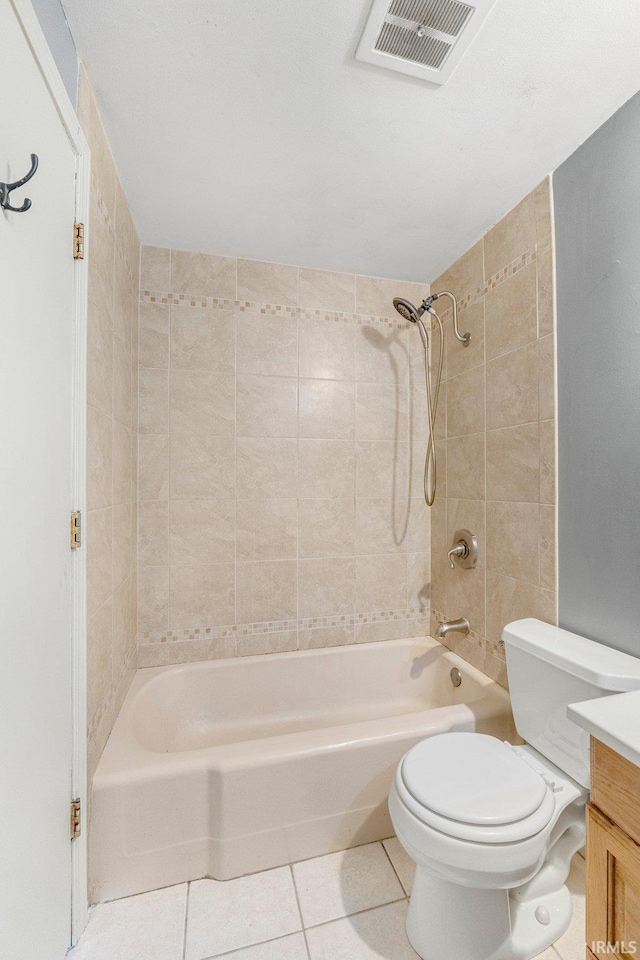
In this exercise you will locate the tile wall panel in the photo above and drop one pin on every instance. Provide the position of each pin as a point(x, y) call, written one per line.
point(496, 435)
point(281, 428)
point(112, 419)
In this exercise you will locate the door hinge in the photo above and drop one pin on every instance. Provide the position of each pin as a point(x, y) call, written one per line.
point(75, 819)
point(78, 241)
point(75, 530)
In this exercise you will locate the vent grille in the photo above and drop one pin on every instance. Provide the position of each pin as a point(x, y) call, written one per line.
point(400, 42)
point(421, 38)
point(445, 16)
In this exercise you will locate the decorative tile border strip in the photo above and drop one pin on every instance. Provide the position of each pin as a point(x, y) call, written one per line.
point(279, 626)
point(524, 260)
point(446, 313)
point(528, 257)
point(186, 300)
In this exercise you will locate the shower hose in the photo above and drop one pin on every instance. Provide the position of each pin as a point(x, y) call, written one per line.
point(430, 479)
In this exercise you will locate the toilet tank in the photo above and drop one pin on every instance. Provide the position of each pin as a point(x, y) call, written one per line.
point(549, 668)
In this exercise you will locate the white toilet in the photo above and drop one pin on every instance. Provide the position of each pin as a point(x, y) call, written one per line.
point(493, 827)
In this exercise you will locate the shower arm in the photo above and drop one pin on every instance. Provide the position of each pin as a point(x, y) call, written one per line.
point(464, 338)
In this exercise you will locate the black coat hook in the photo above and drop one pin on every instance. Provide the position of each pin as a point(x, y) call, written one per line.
point(6, 188)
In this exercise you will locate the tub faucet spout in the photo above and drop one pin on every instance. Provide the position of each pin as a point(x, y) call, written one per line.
point(452, 626)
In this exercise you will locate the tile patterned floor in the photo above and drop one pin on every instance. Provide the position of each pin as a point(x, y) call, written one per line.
point(345, 906)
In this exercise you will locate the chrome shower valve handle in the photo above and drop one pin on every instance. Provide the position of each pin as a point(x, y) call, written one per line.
point(460, 550)
point(464, 550)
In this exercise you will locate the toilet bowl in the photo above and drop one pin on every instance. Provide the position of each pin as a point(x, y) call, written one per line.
point(492, 827)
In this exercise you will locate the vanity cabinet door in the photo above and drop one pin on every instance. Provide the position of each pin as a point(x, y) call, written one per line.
point(615, 788)
point(613, 889)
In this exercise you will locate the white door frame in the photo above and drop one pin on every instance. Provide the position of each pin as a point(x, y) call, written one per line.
point(43, 57)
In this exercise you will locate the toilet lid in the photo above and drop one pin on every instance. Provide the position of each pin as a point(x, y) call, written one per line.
point(472, 778)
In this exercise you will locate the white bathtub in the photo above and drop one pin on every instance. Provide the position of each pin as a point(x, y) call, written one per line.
point(225, 768)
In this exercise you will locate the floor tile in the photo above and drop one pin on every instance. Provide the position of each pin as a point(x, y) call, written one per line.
point(374, 935)
point(286, 948)
point(343, 883)
point(231, 914)
point(571, 946)
point(147, 927)
point(402, 862)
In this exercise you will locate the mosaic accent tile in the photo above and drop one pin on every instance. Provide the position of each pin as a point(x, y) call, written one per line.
point(401, 622)
point(278, 626)
point(270, 309)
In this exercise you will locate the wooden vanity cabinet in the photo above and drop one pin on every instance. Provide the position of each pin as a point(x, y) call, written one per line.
point(613, 856)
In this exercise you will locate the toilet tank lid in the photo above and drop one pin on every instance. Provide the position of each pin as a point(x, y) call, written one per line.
point(602, 666)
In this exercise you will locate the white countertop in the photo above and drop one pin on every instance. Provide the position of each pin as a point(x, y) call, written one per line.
point(615, 720)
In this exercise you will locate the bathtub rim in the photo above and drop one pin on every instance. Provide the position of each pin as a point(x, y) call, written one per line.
point(125, 759)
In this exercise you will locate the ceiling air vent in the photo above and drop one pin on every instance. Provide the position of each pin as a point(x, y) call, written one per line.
point(424, 38)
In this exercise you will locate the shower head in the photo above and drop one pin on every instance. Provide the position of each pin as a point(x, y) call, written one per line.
point(407, 310)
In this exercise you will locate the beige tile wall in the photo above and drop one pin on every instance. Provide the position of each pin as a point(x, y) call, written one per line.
point(281, 432)
point(113, 252)
point(496, 435)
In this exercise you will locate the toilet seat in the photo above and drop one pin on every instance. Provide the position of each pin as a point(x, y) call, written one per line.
point(474, 787)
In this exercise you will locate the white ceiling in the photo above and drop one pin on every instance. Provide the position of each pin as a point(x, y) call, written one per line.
point(246, 127)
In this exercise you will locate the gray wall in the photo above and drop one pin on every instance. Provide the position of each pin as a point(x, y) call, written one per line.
point(56, 30)
point(597, 212)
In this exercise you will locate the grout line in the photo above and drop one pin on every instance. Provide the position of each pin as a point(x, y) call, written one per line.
point(485, 601)
point(508, 426)
point(186, 920)
point(320, 856)
point(170, 444)
point(297, 557)
point(235, 472)
point(304, 931)
point(394, 867)
point(358, 913)
point(130, 896)
point(259, 943)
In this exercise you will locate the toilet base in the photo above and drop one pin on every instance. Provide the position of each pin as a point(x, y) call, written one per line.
point(446, 920)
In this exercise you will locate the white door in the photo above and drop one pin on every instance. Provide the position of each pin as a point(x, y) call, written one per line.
point(36, 368)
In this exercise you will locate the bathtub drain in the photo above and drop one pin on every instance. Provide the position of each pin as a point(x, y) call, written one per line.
point(456, 677)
